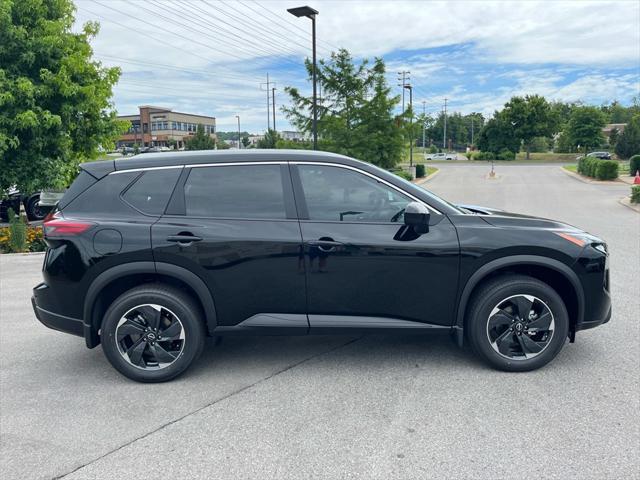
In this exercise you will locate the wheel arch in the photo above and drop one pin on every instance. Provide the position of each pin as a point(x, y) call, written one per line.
point(556, 274)
point(116, 280)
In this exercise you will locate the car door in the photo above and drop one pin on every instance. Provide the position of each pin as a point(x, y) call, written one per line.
point(235, 226)
point(361, 263)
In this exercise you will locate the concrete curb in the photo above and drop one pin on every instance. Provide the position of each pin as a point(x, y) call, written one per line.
point(626, 201)
point(583, 179)
point(24, 254)
point(427, 178)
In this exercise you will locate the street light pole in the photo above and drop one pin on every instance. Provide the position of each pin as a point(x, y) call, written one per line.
point(424, 123)
point(310, 13)
point(444, 134)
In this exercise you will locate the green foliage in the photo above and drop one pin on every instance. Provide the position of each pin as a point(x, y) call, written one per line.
point(55, 108)
point(530, 117)
point(270, 139)
point(292, 145)
point(614, 134)
point(563, 143)
point(420, 170)
point(485, 156)
point(596, 168)
point(356, 115)
point(404, 174)
point(433, 149)
point(629, 142)
point(606, 169)
point(634, 165)
point(200, 141)
point(540, 145)
point(618, 113)
point(506, 155)
point(584, 128)
point(635, 194)
point(245, 141)
point(498, 134)
point(17, 233)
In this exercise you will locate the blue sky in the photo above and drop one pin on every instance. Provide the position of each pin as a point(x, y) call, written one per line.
point(210, 56)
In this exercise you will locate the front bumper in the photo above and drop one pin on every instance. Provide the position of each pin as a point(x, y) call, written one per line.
point(53, 320)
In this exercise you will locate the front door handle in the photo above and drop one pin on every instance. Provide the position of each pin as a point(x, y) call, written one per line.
point(184, 239)
point(327, 246)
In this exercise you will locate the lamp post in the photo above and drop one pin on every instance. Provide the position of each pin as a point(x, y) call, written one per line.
point(410, 88)
point(310, 13)
point(238, 117)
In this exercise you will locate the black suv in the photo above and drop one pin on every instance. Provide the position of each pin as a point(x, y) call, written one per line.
point(150, 255)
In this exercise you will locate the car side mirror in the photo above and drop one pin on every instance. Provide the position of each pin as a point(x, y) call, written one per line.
point(417, 216)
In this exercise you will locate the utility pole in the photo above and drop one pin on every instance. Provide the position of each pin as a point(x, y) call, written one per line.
point(404, 79)
point(238, 117)
point(424, 123)
point(267, 88)
point(444, 134)
point(472, 130)
point(410, 88)
point(273, 104)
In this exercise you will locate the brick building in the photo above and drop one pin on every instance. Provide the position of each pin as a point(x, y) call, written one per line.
point(157, 126)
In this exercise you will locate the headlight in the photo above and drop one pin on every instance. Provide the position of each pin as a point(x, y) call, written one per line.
point(583, 238)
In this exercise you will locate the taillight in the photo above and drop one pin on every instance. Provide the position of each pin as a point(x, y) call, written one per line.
point(57, 226)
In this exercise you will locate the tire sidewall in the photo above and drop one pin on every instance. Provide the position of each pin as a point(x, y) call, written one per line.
point(180, 306)
point(501, 291)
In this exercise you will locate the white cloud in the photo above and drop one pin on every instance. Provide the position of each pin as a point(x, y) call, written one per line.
point(217, 53)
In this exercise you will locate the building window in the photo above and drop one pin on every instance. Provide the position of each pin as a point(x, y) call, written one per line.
point(165, 125)
point(145, 127)
point(173, 125)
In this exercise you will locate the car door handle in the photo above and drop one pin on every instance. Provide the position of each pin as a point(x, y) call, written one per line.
point(183, 239)
point(327, 246)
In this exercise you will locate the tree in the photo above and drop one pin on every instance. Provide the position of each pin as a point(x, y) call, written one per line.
point(585, 127)
point(200, 141)
point(245, 141)
point(55, 107)
point(269, 140)
point(355, 116)
point(530, 117)
point(614, 134)
point(497, 135)
point(629, 142)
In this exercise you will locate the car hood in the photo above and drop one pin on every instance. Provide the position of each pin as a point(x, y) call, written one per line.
point(500, 218)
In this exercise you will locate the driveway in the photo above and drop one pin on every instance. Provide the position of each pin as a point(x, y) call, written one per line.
point(340, 407)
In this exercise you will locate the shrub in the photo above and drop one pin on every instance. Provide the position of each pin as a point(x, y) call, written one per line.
point(606, 169)
point(484, 156)
point(433, 149)
point(404, 174)
point(420, 170)
point(635, 194)
point(506, 155)
point(634, 165)
point(17, 233)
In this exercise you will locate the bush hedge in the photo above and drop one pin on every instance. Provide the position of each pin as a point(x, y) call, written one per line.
point(606, 170)
point(486, 156)
point(634, 165)
point(596, 168)
point(404, 174)
point(635, 194)
point(420, 170)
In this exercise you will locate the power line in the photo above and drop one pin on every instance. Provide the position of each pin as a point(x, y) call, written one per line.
point(273, 32)
point(305, 33)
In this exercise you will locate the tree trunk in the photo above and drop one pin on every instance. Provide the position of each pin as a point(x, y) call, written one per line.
point(528, 151)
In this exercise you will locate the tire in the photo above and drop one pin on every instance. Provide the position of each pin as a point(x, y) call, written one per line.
point(508, 340)
point(34, 212)
point(132, 329)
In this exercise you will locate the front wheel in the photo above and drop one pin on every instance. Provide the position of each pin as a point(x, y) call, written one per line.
point(517, 323)
point(152, 333)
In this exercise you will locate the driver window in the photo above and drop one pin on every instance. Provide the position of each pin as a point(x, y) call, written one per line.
point(339, 194)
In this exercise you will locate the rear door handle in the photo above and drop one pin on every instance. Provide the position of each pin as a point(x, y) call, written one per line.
point(184, 239)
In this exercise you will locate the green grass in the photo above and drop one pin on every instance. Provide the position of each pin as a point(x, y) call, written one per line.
point(547, 157)
point(430, 170)
point(572, 168)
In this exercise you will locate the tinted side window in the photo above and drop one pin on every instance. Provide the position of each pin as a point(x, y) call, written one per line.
point(236, 191)
point(150, 192)
point(339, 194)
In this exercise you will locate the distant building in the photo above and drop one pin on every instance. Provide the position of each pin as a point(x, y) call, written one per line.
point(610, 126)
point(158, 127)
point(294, 136)
point(254, 139)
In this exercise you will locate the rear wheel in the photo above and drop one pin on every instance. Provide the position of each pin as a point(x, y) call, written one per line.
point(152, 333)
point(34, 210)
point(517, 323)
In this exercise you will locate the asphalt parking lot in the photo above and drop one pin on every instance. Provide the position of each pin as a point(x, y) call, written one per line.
point(341, 407)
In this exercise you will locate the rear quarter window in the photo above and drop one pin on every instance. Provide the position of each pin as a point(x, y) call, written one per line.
point(151, 191)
